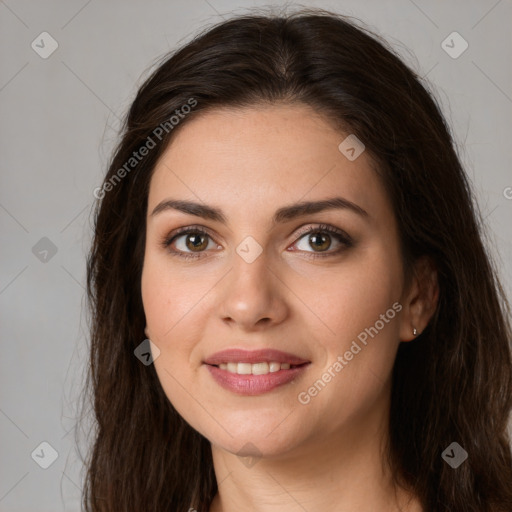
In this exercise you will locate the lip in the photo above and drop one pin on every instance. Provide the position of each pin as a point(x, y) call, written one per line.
point(251, 385)
point(235, 355)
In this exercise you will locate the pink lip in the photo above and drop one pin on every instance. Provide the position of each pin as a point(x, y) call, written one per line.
point(234, 355)
point(254, 384)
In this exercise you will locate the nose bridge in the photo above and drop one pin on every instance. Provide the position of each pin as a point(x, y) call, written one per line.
point(251, 293)
point(250, 274)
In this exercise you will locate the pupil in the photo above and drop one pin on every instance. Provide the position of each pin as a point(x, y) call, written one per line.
point(196, 241)
point(323, 238)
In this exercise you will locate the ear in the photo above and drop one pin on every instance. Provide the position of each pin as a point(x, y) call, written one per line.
point(420, 300)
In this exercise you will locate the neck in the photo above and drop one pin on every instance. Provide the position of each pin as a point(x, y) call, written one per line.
point(341, 471)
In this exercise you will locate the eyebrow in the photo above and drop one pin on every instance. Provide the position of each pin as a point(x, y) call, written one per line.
point(283, 214)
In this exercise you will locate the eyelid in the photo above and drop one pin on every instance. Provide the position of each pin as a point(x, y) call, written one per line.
point(323, 228)
point(168, 239)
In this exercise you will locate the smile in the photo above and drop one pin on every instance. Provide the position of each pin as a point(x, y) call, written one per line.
point(255, 368)
point(254, 372)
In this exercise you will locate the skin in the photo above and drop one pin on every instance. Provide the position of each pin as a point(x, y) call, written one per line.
point(328, 454)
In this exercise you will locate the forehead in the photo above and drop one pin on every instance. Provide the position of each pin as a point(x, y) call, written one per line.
point(255, 157)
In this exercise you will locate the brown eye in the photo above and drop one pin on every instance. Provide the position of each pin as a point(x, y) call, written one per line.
point(196, 242)
point(320, 241)
point(317, 240)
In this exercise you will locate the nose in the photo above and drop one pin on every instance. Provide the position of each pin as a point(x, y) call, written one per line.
point(253, 295)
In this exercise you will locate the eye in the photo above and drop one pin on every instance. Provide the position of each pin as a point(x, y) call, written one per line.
point(320, 239)
point(194, 239)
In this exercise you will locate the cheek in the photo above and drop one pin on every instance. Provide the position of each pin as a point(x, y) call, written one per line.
point(170, 299)
point(169, 324)
point(173, 309)
point(355, 296)
point(361, 309)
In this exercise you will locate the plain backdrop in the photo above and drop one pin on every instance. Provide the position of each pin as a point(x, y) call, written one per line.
point(59, 117)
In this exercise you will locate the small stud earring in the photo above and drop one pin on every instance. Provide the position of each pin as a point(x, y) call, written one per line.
point(414, 331)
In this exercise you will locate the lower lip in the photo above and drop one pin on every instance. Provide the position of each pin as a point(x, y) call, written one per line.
point(254, 384)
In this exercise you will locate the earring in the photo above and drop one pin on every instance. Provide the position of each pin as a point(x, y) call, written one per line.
point(414, 331)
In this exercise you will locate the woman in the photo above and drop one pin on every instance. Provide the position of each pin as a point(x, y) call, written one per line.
point(286, 221)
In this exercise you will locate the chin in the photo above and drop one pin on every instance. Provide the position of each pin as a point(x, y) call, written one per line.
point(249, 438)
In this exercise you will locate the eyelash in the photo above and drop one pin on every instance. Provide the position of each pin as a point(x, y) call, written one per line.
point(342, 237)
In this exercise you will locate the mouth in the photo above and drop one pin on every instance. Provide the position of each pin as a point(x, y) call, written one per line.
point(260, 368)
point(254, 372)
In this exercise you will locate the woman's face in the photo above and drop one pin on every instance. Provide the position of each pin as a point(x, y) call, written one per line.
point(257, 281)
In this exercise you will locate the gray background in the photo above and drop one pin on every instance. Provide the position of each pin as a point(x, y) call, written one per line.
point(58, 123)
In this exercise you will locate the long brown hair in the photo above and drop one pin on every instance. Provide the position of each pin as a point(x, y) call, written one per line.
point(452, 384)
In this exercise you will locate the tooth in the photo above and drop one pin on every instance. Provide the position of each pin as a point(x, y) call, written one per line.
point(255, 369)
point(260, 368)
point(244, 368)
point(274, 367)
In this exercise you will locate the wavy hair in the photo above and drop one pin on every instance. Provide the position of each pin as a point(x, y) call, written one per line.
point(453, 383)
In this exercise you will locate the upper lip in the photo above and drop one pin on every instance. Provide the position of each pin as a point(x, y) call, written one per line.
point(235, 355)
